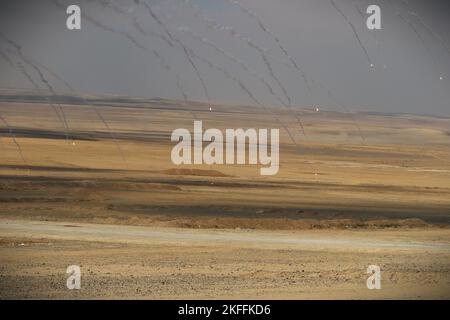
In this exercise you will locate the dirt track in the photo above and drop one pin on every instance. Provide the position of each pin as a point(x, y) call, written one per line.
point(142, 262)
point(143, 235)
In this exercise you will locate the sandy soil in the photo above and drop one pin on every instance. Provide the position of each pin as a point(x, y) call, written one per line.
point(142, 262)
point(343, 199)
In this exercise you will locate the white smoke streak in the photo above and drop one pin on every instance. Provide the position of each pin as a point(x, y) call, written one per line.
point(355, 33)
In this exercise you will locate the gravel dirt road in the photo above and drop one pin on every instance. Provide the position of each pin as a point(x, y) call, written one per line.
point(149, 262)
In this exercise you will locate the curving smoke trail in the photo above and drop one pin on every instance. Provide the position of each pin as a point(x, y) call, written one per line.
point(241, 85)
point(137, 25)
point(355, 33)
point(431, 31)
point(267, 31)
point(422, 40)
point(416, 32)
point(11, 132)
point(183, 46)
point(272, 74)
point(105, 123)
point(38, 66)
point(249, 42)
point(105, 27)
point(244, 89)
point(22, 69)
point(84, 101)
point(13, 135)
point(363, 18)
point(72, 90)
point(141, 30)
point(427, 27)
point(230, 57)
point(52, 73)
point(246, 68)
point(169, 38)
point(219, 27)
point(178, 83)
point(162, 61)
point(190, 54)
point(134, 41)
point(333, 99)
point(237, 61)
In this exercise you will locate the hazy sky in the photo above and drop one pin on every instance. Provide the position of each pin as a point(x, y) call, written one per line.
point(124, 50)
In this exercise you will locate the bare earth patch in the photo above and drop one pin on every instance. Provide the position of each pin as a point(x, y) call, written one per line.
point(140, 227)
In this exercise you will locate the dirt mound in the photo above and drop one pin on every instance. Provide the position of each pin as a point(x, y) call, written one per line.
point(195, 172)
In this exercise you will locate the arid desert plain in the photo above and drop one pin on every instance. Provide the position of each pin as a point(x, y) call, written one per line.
point(353, 190)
